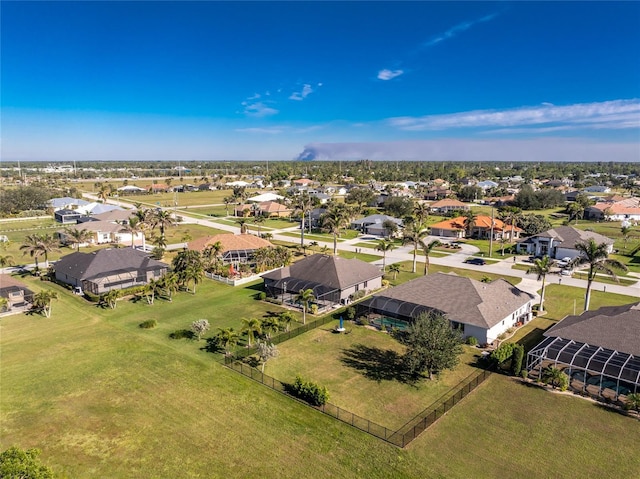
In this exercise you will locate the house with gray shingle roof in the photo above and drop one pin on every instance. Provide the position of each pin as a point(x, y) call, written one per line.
point(599, 350)
point(481, 310)
point(107, 269)
point(333, 279)
point(374, 224)
point(559, 243)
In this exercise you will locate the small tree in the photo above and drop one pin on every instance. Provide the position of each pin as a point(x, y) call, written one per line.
point(251, 326)
point(384, 246)
point(228, 338)
point(432, 344)
point(633, 402)
point(284, 320)
point(111, 298)
point(199, 327)
point(42, 301)
point(427, 249)
point(266, 351)
point(555, 377)
point(20, 464)
point(516, 359)
point(541, 268)
point(395, 269)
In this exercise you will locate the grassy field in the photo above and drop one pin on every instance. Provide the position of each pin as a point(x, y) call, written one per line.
point(406, 274)
point(190, 198)
point(104, 398)
point(362, 373)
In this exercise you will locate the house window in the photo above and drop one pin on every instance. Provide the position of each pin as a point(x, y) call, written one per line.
point(357, 287)
point(366, 283)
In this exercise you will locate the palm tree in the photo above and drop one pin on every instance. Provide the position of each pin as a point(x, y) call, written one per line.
point(421, 212)
point(243, 226)
point(4, 303)
point(151, 289)
point(554, 376)
point(395, 269)
point(541, 267)
point(111, 298)
point(333, 222)
point(133, 226)
point(42, 301)
point(470, 223)
point(163, 220)
point(6, 260)
point(31, 246)
point(384, 246)
point(251, 326)
point(193, 273)
point(633, 401)
point(103, 192)
point(284, 320)
point(169, 284)
point(427, 249)
point(227, 337)
point(597, 257)
point(414, 234)
point(302, 204)
point(305, 297)
point(259, 220)
point(77, 236)
point(227, 201)
point(576, 209)
point(270, 325)
point(48, 243)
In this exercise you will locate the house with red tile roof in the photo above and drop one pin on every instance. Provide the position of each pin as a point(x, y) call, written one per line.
point(615, 209)
point(482, 229)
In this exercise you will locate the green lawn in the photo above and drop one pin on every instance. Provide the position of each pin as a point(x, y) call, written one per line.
point(103, 398)
point(406, 274)
point(313, 237)
point(366, 257)
point(361, 372)
point(189, 198)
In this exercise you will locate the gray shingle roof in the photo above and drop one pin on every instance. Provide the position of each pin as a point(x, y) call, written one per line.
point(568, 236)
point(610, 327)
point(463, 300)
point(331, 271)
point(376, 219)
point(105, 262)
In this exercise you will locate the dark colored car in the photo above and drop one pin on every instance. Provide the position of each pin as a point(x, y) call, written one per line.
point(478, 261)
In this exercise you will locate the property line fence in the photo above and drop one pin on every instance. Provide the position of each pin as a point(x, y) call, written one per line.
point(402, 436)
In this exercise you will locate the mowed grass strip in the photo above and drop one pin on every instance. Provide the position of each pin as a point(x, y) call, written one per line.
point(363, 372)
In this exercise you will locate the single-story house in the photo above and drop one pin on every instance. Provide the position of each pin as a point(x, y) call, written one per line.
point(107, 269)
point(103, 232)
point(481, 310)
point(96, 208)
point(270, 196)
point(597, 189)
point(599, 350)
point(131, 189)
point(266, 208)
point(487, 184)
point(19, 297)
point(437, 192)
point(373, 224)
point(235, 249)
point(448, 205)
point(158, 188)
point(559, 243)
point(115, 216)
point(303, 182)
point(334, 280)
point(66, 216)
point(66, 203)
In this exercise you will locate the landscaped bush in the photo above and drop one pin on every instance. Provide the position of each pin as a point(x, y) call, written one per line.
point(262, 296)
point(149, 324)
point(182, 334)
point(314, 309)
point(472, 341)
point(309, 392)
point(94, 298)
point(502, 353)
point(358, 294)
point(516, 359)
point(350, 312)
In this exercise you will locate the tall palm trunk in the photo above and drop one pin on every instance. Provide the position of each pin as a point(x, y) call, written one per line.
point(415, 257)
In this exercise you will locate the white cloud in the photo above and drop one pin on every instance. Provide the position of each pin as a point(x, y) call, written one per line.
point(457, 29)
point(615, 114)
point(258, 109)
point(389, 74)
point(301, 95)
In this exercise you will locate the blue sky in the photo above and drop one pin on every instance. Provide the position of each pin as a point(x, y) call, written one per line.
point(326, 80)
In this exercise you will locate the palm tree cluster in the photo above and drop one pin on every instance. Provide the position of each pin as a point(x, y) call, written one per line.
point(189, 268)
point(36, 245)
point(268, 258)
point(42, 301)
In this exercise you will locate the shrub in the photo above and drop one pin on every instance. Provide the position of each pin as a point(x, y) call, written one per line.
point(524, 374)
point(502, 336)
point(350, 312)
point(314, 309)
point(358, 294)
point(182, 334)
point(309, 391)
point(472, 341)
point(516, 359)
point(94, 298)
point(262, 296)
point(149, 324)
point(502, 353)
point(385, 283)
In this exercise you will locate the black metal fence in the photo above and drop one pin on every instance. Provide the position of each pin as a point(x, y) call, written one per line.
point(402, 436)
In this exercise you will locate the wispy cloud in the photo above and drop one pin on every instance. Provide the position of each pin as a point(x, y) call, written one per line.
point(304, 93)
point(258, 109)
point(276, 130)
point(615, 114)
point(389, 74)
point(457, 29)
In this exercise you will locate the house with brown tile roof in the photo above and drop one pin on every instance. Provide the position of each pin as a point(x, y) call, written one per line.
point(453, 228)
point(456, 228)
point(448, 205)
point(334, 280)
point(481, 310)
point(615, 209)
point(235, 249)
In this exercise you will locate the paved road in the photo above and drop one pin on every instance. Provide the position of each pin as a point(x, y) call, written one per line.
point(404, 253)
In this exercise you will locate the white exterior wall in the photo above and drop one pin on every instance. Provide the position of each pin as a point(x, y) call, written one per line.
point(484, 335)
point(372, 285)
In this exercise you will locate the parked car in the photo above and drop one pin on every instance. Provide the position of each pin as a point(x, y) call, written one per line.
point(476, 261)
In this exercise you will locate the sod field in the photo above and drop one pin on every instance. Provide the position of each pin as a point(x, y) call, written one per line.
point(103, 398)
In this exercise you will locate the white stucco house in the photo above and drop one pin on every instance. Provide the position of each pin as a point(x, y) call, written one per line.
point(559, 243)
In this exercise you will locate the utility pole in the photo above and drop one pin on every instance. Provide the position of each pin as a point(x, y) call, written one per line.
point(491, 237)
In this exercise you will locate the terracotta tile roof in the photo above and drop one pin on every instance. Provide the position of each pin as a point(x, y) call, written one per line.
point(229, 242)
point(273, 207)
point(483, 221)
point(611, 327)
point(452, 224)
point(463, 300)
